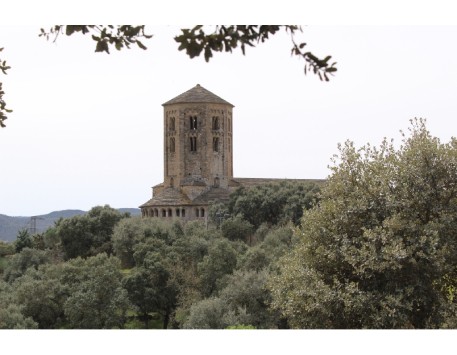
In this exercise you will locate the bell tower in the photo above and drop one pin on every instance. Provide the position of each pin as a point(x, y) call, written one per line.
point(198, 140)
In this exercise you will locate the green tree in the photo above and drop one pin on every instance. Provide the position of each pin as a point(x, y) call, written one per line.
point(88, 234)
point(273, 203)
point(23, 240)
point(236, 228)
point(374, 252)
point(247, 290)
point(213, 313)
point(41, 295)
point(220, 261)
point(149, 289)
point(20, 262)
point(96, 299)
point(11, 315)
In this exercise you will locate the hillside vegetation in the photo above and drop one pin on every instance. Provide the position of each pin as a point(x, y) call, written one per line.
point(374, 247)
point(10, 226)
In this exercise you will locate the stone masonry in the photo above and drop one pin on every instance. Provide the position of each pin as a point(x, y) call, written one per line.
point(198, 157)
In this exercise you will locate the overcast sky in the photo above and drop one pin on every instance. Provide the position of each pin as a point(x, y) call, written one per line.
point(87, 128)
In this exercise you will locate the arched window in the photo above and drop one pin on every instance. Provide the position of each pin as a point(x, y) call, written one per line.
point(193, 144)
point(202, 212)
point(170, 213)
point(172, 145)
point(230, 144)
point(172, 124)
point(156, 212)
point(183, 212)
point(193, 122)
point(215, 144)
point(197, 212)
point(216, 123)
point(178, 212)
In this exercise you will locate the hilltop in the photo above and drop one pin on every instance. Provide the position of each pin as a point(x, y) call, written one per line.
point(10, 225)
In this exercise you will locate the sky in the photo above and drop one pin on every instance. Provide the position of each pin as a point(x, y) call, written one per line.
point(87, 128)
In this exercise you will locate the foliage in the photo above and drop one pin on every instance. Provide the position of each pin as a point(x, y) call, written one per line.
point(236, 228)
point(20, 262)
point(372, 254)
point(23, 240)
point(97, 299)
point(104, 36)
point(243, 301)
point(196, 41)
point(49, 295)
point(88, 234)
point(273, 203)
point(241, 326)
point(11, 316)
point(149, 289)
point(6, 248)
point(3, 110)
point(220, 261)
point(247, 290)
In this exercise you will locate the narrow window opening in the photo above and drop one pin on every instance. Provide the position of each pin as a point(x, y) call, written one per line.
point(164, 213)
point(178, 212)
point(172, 145)
point(230, 144)
point(193, 122)
point(215, 144)
point(216, 125)
point(183, 212)
point(193, 144)
point(170, 213)
point(202, 212)
point(216, 182)
point(172, 182)
point(172, 124)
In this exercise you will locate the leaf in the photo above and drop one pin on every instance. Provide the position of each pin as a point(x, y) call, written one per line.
point(141, 45)
point(102, 46)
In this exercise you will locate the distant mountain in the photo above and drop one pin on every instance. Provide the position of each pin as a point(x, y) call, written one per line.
point(10, 226)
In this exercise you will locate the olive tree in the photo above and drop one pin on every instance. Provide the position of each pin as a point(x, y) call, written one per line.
point(382, 244)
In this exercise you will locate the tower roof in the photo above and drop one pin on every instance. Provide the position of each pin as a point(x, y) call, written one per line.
point(198, 94)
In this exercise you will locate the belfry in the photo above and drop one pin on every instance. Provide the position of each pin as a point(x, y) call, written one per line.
point(198, 156)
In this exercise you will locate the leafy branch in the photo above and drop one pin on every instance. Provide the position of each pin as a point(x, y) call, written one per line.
point(3, 110)
point(104, 36)
point(226, 38)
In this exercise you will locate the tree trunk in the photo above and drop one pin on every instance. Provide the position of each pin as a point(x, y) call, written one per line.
point(166, 320)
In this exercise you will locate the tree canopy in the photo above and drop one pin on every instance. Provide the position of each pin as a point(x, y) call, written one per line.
point(379, 251)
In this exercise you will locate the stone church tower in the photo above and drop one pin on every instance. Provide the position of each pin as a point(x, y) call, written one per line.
point(198, 139)
point(198, 156)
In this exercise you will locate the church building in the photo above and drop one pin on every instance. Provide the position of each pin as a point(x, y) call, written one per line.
point(198, 157)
